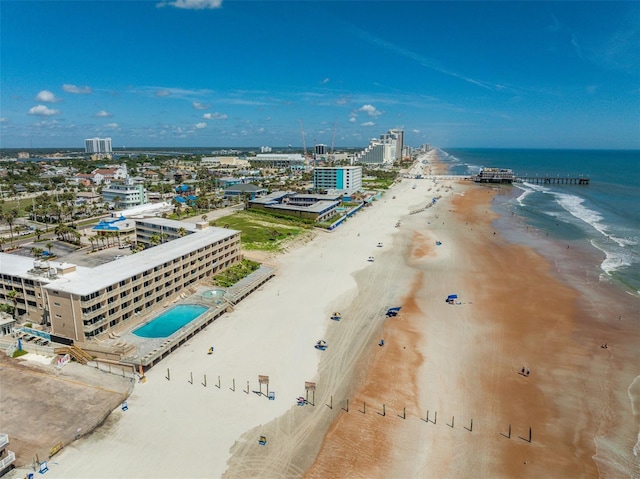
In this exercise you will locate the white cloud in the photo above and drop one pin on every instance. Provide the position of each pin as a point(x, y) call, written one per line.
point(42, 110)
point(367, 123)
point(214, 116)
point(112, 125)
point(46, 96)
point(370, 110)
point(81, 90)
point(201, 125)
point(103, 114)
point(352, 119)
point(4, 120)
point(325, 81)
point(200, 106)
point(192, 4)
point(163, 93)
point(415, 130)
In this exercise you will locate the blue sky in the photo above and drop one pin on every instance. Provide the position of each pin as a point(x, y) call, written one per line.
point(245, 73)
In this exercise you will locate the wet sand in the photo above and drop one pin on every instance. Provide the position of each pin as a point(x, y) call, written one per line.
point(463, 361)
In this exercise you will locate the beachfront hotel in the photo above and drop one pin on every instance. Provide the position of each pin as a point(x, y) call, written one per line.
point(81, 303)
point(384, 150)
point(340, 179)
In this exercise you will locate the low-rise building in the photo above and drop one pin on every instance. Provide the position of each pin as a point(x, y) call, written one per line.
point(81, 303)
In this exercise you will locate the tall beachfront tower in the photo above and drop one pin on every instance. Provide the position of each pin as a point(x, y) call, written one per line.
point(383, 150)
point(97, 145)
point(398, 136)
point(342, 179)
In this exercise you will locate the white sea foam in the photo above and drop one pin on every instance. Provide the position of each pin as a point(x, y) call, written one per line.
point(616, 256)
point(526, 191)
point(634, 395)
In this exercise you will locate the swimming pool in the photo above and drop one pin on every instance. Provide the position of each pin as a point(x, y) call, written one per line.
point(170, 321)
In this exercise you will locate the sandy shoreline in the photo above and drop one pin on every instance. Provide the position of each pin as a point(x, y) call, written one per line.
point(461, 361)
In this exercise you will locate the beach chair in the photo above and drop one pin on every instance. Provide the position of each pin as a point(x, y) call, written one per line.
point(262, 441)
point(272, 396)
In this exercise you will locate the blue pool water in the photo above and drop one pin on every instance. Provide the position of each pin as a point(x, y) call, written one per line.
point(170, 321)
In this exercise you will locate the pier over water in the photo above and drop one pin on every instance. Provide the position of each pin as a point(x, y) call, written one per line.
point(505, 175)
point(552, 180)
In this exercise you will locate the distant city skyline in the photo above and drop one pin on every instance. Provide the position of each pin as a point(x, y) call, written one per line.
point(209, 73)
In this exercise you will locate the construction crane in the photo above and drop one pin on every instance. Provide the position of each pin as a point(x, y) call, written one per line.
point(304, 144)
point(333, 140)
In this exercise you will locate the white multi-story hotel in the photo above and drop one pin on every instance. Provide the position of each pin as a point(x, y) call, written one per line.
point(81, 303)
point(386, 149)
point(341, 179)
point(97, 145)
point(124, 195)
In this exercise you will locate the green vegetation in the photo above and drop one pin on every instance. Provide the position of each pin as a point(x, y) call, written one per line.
point(235, 273)
point(377, 183)
point(17, 354)
point(263, 231)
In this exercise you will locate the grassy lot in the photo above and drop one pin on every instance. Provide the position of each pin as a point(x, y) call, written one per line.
point(378, 183)
point(232, 275)
point(261, 231)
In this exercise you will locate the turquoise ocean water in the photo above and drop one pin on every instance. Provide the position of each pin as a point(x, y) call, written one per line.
point(606, 213)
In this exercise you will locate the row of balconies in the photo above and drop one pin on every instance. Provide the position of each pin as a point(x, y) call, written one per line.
point(160, 294)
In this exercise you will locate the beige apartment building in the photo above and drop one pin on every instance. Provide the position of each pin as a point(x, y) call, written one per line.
point(81, 303)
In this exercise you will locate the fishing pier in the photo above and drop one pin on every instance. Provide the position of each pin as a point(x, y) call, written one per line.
point(504, 175)
point(552, 180)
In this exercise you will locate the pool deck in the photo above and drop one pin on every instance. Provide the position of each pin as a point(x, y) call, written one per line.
point(149, 351)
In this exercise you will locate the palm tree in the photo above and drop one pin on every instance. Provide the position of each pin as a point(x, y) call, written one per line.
point(182, 232)
point(38, 232)
point(9, 218)
point(154, 239)
point(92, 240)
point(49, 245)
point(204, 217)
point(13, 297)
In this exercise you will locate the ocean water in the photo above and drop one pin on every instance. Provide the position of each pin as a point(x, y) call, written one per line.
point(606, 213)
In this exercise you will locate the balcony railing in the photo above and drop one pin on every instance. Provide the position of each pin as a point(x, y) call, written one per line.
point(7, 461)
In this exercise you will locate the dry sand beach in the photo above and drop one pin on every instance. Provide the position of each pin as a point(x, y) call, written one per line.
point(459, 361)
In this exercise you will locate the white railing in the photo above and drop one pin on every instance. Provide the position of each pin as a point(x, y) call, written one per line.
point(7, 461)
point(4, 440)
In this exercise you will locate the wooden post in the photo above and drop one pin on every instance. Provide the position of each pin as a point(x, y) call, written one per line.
point(168, 375)
point(453, 418)
point(234, 385)
point(191, 380)
point(218, 385)
point(384, 411)
point(470, 428)
point(509, 436)
point(364, 407)
point(347, 410)
point(205, 381)
point(247, 391)
point(404, 413)
point(524, 439)
point(330, 405)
